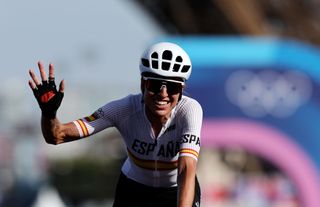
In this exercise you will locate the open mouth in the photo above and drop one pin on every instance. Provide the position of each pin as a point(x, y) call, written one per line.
point(161, 103)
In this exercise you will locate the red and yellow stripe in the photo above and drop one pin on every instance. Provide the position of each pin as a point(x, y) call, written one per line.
point(90, 118)
point(83, 127)
point(189, 151)
point(153, 164)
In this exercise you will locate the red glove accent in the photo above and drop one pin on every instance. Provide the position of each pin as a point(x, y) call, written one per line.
point(45, 98)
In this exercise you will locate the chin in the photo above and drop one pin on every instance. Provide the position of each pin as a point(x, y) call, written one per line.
point(161, 113)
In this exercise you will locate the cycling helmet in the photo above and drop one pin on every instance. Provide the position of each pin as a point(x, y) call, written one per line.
point(166, 60)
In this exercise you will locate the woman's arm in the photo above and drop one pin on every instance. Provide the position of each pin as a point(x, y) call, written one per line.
point(49, 100)
point(55, 132)
point(186, 181)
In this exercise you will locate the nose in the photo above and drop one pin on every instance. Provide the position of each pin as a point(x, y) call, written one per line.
point(163, 91)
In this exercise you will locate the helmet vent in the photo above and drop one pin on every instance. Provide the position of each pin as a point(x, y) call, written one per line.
point(167, 55)
point(155, 59)
point(185, 68)
point(145, 62)
point(176, 67)
point(154, 55)
point(165, 65)
point(179, 59)
point(154, 64)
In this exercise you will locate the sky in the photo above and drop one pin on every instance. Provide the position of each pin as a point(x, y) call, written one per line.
point(94, 45)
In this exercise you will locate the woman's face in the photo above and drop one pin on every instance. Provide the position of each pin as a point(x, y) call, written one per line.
point(160, 97)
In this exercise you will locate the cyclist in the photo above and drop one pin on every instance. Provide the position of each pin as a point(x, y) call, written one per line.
point(160, 127)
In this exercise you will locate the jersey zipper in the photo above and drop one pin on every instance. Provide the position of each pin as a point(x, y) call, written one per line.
point(155, 158)
point(156, 173)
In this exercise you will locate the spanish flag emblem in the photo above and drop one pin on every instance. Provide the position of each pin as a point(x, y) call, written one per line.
point(90, 118)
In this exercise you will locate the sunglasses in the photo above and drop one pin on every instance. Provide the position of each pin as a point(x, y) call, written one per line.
point(155, 85)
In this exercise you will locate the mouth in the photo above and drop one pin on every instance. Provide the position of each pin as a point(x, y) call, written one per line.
point(161, 103)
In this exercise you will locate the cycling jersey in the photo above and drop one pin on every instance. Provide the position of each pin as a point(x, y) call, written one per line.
point(151, 160)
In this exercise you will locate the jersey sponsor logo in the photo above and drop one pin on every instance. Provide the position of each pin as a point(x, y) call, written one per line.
point(167, 150)
point(191, 139)
point(99, 113)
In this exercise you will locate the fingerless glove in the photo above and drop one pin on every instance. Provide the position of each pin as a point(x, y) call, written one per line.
point(49, 99)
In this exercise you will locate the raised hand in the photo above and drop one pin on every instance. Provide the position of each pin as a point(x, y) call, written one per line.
point(45, 91)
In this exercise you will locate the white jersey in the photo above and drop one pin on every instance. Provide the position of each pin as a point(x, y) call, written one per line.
point(151, 160)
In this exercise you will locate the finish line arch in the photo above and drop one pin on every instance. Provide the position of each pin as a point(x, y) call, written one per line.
point(282, 151)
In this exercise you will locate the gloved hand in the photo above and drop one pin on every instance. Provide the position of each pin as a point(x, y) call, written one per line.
point(46, 93)
point(49, 99)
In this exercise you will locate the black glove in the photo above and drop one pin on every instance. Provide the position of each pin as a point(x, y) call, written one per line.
point(49, 99)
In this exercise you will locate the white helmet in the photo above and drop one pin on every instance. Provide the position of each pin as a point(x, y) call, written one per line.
point(166, 59)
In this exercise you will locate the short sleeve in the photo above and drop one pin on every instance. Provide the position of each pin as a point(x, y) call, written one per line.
point(107, 116)
point(192, 123)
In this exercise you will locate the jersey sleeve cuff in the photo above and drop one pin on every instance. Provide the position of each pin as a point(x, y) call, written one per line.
point(189, 153)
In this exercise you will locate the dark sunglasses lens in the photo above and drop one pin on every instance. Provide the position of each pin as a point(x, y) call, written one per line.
point(174, 88)
point(155, 86)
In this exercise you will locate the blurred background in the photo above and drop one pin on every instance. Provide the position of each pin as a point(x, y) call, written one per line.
point(256, 74)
